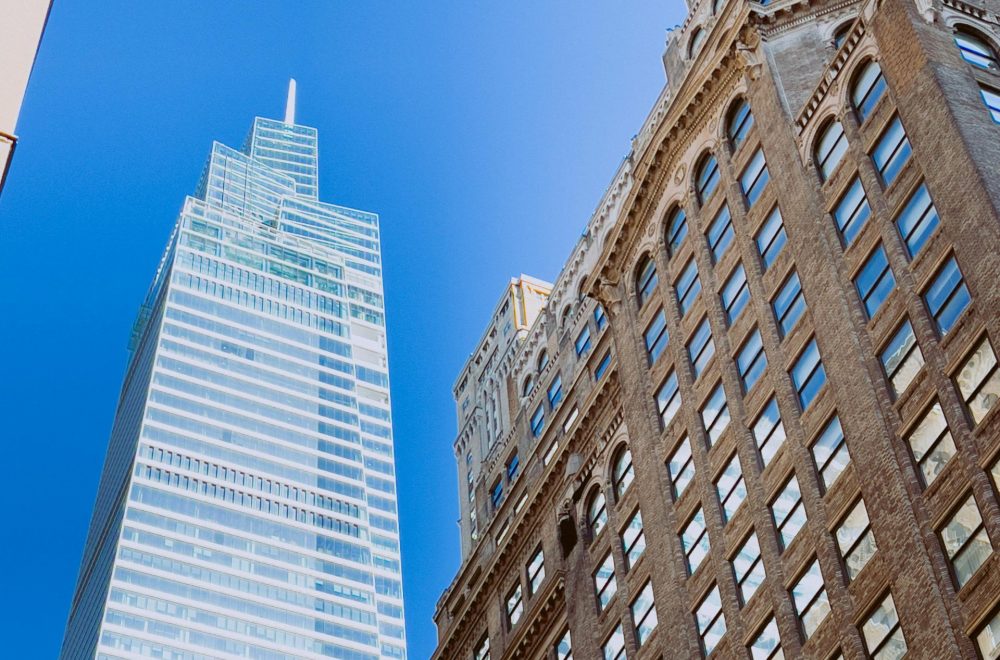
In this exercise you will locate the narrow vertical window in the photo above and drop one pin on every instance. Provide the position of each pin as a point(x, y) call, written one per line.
point(602, 366)
point(677, 229)
point(789, 304)
point(965, 541)
point(931, 443)
point(771, 238)
point(947, 296)
point(829, 450)
point(883, 636)
point(681, 467)
point(740, 123)
point(902, 358)
point(708, 178)
point(979, 380)
point(852, 211)
point(715, 414)
point(701, 348)
point(515, 605)
point(555, 392)
point(605, 583)
point(754, 178)
point(538, 420)
point(830, 149)
point(855, 539)
point(668, 399)
point(633, 540)
point(991, 98)
point(482, 650)
point(536, 572)
point(600, 317)
point(597, 513)
point(769, 432)
point(788, 512)
point(735, 294)
point(688, 286)
point(748, 568)
point(808, 374)
point(694, 539)
point(810, 599)
point(564, 647)
point(644, 614)
point(767, 644)
point(646, 282)
point(892, 151)
point(623, 472)
point(751, 360)
point(656, 337)
point(869, 87)
point(614, 646)
point(988, 637)
point(720, 233)
point(711, 621)
point(731, 488)
point(582, 343)
point(917, 220)
point(875, 281)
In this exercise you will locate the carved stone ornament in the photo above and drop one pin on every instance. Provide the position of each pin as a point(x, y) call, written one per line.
point(747, 48)
point(681, 172)
point(610, 296)
point(927, 10)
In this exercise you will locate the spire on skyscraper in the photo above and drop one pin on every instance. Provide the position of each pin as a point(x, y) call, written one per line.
point(290, 103)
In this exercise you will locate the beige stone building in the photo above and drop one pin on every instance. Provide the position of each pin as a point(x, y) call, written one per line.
point(757, 416)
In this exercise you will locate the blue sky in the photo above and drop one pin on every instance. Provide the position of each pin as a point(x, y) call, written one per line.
point(482, 133)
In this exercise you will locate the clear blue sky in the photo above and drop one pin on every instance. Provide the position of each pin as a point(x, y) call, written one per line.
point(482, 133)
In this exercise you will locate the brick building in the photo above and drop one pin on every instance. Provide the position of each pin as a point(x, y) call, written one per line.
point(757, 416)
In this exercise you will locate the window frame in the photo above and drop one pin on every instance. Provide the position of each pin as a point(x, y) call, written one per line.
point(756, 170)
point(956, 292)
point(776, 242)
point(707, 177)
point(733, 303)
point(883, 283)
point(829, 156)
point(752, 349)
point(850, 224)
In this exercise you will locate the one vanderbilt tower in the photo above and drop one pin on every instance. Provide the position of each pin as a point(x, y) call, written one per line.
point(247, 507)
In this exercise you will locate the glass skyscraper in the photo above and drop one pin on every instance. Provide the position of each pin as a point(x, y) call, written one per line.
point(247, 507)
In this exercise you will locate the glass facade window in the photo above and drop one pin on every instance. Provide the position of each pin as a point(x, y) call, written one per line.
point(496, 494)
point(597, 513)
point(668, 399)
point(701, 348)
point(623, 472)
point(754, 178)
point(748, 568)
point(769, 432)
point(720, 233)
point(852, 211)
point(901, 358)
point(830, 453)
point(892, 151)
point(991, 98)
point(735, 294)
point(810, 599)
point(715, 414)
point(694, 539)
point(883, 636)
point(808, 374)
point(538, 421)
point(515, 606)
point(830, 149)
point(555, 392)
point(536, 572)
point(688, 286)
point(947, 296)
point(633, 540)
point(767, 644)
point(543, 361)
point(600, 317)
point(875, 281)
point(564, 647)
point(614, 646)
point(681, 467)
point(582, 343)
point(965, 541)
point(988, 637)
point(931, 443)
point(917, 221)
point(788, 512)
point(771, 238)
point(855, 539)
point(976, 51)
point(740, 123)
point(482, 650)
point(602, 366)
point(656, 337)
point(751, 360)
point(647, 281)
point(644, 614)
point(708, 178)
point(731, 488)
point(711, 621)
point(677, 230)
point(868, 89)
point(512, 467)
point(979, 380)
point(605, 583)
point(789, 304)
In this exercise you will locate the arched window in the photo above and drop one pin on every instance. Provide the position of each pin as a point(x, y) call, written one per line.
point(529, 384)
point(696, 39)
point(677, 229)
point(623, 473)
point(717, 6)
point(840, 34)
point(543, 361)
point(976, 51)
point(868, 88)
point(564, 317)
point(739, 124)
point(646, 281)
point(830, 148)
point(597, 512)
point(708, 177)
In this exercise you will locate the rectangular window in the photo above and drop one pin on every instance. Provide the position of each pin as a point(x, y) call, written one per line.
point(564, 647)
point(789, 304)
point(731, 488)
point(855, 539)
point(614, 647)
point(883, 636)
point(681, 467)
point(536, 572)
point(555, 392)
point(788, 512)
point(891, 152)
point(808, 374)
point(754, 178)
point(852, 211)
point(496, 494)
point(902, 358)
point(829, 450)
point(602, 366)
point(711, 620)
point(633, 540)
point(605, 583)
point(701, 348)
point(767, 644)
point(988, 638)
point(965, 541)
point(482, 650)
point(656, 337)
point(512, 466)
point(715, 414)
point(947, 296)
point(720, 233)
point(515, 606)
point(748, 568)
point(583, 341)
point(979, 380)
point(992, 100)
point(751, 361)
point(931, 443)
point(735, 294)
point(694, 538)
point(771, 238)
point(687, 286)
point(668, 399)
point(917, 220)
point(769, 432)
point(600, 318)
point(538, 421)
point(810, 599)
point(644, 614)
point(875, 281)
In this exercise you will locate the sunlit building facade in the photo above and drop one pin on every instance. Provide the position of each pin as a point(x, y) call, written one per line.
point(247, 506)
